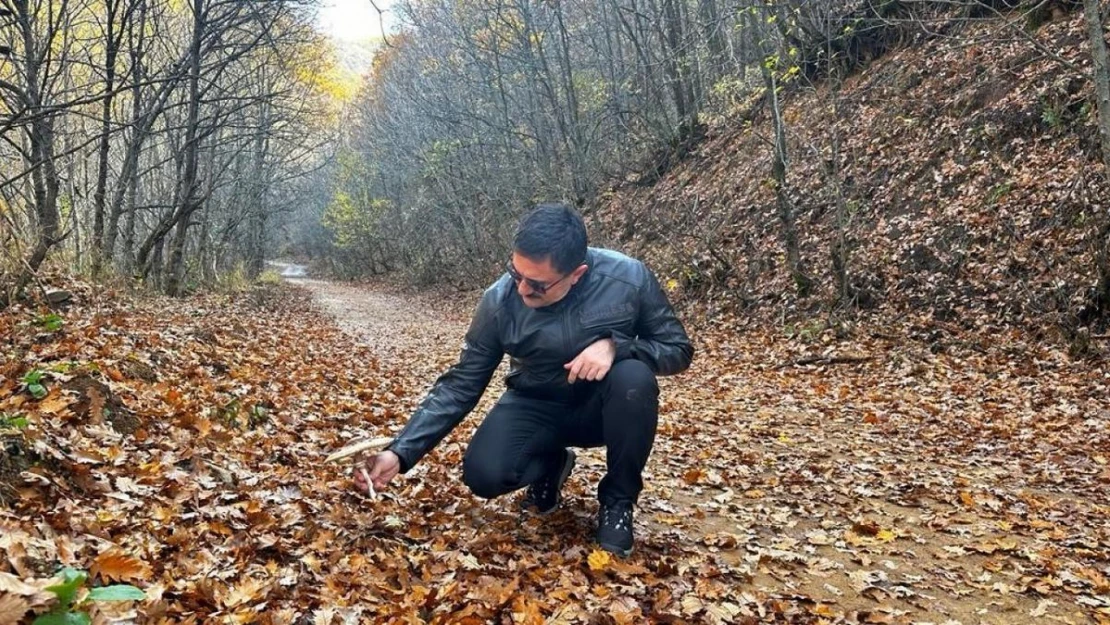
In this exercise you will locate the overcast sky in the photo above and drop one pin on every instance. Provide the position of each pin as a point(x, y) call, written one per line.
point(354, 20)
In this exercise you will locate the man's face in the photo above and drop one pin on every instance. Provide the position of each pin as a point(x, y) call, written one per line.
point(530, 274)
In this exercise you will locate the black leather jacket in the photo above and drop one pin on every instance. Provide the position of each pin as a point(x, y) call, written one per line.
point(618, 298)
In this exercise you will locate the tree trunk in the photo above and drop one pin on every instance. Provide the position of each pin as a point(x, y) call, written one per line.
point(129, 229)
point(188, 185)
point(259, 185)
point(44, 174)
point(100, 195)
point(1101, 76)
point(675, 64)
point(711, 30)
point(779, 167)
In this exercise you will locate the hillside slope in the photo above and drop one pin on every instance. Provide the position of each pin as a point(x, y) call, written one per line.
point(971, 184)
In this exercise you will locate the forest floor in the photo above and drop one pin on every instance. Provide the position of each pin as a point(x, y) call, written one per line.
point(796, 478)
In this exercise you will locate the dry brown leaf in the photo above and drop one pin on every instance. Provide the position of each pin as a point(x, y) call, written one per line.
point(693, 476)
point(55, 405)
point(114, 566)
point(12, 608)
point(245, 592)
point(11, 584)
point(692, 605)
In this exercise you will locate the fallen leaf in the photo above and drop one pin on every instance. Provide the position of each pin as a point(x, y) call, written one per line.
point(12, 608)
point(55, 405)
point(113, 566)
point(1042, 608)
point(693, 476)
point(692, 605)
point(599, 559)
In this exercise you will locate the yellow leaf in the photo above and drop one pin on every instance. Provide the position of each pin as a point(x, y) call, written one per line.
point(599, 560)
point(886, 536)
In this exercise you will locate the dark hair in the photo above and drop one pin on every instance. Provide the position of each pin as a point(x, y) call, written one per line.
point(552, 231)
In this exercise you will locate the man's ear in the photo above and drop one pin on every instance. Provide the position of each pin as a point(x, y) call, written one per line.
point(577, 274)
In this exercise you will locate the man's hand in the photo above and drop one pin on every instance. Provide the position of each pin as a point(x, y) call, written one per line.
point(593, 363)
point(380, 468)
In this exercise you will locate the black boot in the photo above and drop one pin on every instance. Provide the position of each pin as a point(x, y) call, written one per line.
point(614, 528)
point(546, 493)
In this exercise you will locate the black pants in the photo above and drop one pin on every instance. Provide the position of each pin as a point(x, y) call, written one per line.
point(522, 438)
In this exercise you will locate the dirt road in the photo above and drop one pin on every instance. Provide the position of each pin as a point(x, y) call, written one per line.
point(913, 487)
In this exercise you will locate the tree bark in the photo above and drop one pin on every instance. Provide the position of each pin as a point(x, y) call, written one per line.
point(779, 168)
point(44, 174)
point(1101, 76)
point(111, 50)
point(188, 185)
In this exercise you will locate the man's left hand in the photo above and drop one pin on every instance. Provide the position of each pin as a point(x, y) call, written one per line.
point(593, 363)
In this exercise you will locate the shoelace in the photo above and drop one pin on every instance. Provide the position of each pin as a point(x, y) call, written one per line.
point(540, 491)
point(617, 518)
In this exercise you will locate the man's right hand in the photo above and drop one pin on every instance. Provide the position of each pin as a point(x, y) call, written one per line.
point(381, 468)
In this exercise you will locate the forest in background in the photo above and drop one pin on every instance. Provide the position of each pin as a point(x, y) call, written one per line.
point(792, 160)
point(156, 140)
point(885, 223)
point(781, 157)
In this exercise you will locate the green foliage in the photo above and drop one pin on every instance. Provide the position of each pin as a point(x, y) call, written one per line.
point(66, 366)
point(441, 152)
point(69, 610)
point(118, 592)
point(269, 278)
point(32, 382)
point(785, 68)
point(805, 332)
point(592, 89)
point(233, 281)
point(999, 191)
point(229, 413)
point(257, 415)
point(12, 421)
point(1051, 115)
point(352, 223)
point(66, 591)
point(51, 322)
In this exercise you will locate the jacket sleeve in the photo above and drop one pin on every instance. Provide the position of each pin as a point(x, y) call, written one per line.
point(458, 390)
point(660, 339)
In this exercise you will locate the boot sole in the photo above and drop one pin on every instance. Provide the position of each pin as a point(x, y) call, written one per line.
point(617, 551)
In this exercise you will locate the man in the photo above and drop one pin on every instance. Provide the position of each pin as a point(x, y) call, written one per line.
point(588, 330)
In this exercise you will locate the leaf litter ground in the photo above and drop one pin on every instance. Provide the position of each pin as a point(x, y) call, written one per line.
point(180, 448)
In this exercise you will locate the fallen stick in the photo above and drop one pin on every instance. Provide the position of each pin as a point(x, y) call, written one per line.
point(358, 447)
point(369, 484)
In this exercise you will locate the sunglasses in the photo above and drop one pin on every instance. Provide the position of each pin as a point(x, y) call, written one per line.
point(540, 288)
